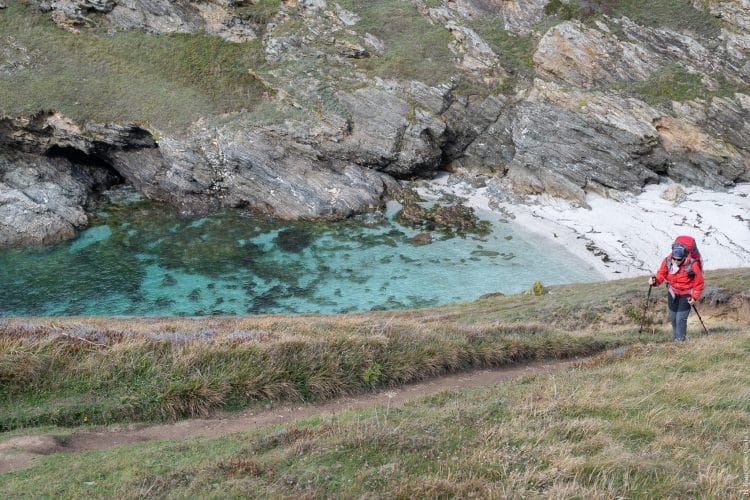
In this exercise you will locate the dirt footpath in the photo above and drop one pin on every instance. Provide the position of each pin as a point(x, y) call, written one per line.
point(20, 452)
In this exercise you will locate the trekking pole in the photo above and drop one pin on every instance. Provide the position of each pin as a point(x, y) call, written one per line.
point(701, 319)
point(645, 306)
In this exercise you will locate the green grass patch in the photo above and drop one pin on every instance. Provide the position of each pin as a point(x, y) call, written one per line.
point(514, 52)
point(167, 81)
point(676, 83)
point(674, 15)
point(415, 49)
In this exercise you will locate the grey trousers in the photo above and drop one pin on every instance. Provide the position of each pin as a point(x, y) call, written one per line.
point(679, 309)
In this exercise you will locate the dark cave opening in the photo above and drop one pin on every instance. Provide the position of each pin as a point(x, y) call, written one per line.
point(103, 173)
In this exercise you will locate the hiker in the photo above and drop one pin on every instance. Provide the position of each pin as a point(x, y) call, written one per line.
point(682, 270)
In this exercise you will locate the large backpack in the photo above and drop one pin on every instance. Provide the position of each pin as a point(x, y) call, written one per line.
point(691, 248)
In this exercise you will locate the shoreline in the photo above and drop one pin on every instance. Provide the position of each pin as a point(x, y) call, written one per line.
point(619, 239)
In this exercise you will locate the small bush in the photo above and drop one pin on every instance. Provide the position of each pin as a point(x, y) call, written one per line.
point(372, 374)
point(193, 397)
point(538, 288)
point(565, 11)
point(632, 312)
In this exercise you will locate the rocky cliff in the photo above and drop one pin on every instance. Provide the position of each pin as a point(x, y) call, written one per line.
point(313, 108)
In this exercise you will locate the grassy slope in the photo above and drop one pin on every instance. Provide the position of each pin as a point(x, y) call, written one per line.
point(554, 435)
point(167, 81)
point(414, 48)
point(107, 370)
point(667, 420)
point(170, 81)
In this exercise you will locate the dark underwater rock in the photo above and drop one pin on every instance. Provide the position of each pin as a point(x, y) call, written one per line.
point(293, 240)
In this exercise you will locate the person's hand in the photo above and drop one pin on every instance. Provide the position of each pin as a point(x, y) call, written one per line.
point(652, 281)
point(691, 301)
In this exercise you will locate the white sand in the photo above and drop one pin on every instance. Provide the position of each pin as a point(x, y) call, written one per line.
point(627, 238)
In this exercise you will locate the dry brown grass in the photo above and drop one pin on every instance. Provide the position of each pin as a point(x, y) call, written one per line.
point(105, 369)
point(655, 421)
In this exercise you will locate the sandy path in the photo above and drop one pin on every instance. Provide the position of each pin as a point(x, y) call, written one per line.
point(18, 453)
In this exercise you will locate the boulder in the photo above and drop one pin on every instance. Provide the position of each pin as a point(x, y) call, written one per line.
point(560, 151)
point(421, 239)
point(42, 199)
point(674, 194)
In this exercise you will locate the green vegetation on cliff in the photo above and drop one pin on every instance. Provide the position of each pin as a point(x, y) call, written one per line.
point(167, 81)
point(676, 83)
point(171, 80)
point(413, 48)
point(676, 15)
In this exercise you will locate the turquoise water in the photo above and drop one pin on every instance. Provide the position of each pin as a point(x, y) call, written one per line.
point(140, 258)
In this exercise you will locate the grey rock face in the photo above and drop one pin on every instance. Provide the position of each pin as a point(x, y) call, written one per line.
point(588, 57)
point(725, 117)
point(340, 135)
point(679, 48)
point(735, 12)
point(49, 172)
point(620, 137)
point(559, 152)
point(157, 16)
point(480, 138)
point(389, 133)
point(519, 16)
point(49, 133)
point(217, 167)
point(254, 169)
point(42, 199)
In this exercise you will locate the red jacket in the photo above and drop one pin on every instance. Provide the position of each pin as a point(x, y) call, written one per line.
point(680, 282)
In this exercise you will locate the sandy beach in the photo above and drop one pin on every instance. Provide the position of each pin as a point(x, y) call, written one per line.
point(620, 238)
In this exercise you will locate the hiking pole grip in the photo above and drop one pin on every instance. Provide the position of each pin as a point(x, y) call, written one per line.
point(700, 319)
point(645, 307)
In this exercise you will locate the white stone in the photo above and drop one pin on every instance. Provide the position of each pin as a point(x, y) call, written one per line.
point(674, 194)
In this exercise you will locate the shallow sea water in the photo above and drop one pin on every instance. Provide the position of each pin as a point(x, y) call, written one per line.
point(141, 258)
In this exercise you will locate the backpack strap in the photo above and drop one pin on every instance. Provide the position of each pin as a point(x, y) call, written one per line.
point(689, 267)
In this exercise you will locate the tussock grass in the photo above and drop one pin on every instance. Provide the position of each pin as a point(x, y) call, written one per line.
point(415, 49)
point(675, 15)
point(515, 52)
point(657, 421)
point(67, 371)
point(675, 83)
